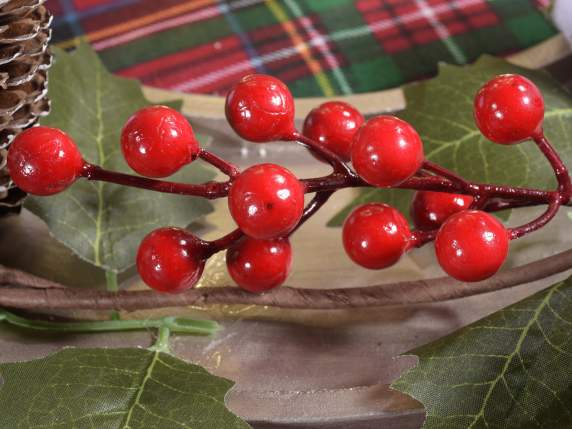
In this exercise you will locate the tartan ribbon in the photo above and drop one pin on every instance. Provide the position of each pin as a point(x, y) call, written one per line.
point(318, 47)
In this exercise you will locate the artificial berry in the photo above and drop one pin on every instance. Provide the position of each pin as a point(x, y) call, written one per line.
point(266, 201)
point(471, 245)
point(508, 109)
point(259, 265)
point(430, 209)
point(333, 125)
point(386, 151)
point(157, 141)
point(375, 235)
point(44, 161)
point(170, 260)
point(260, 108)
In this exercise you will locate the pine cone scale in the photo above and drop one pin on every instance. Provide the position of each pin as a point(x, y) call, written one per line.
point(24, 59)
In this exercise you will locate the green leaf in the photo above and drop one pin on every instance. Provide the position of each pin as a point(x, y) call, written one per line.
point(441, 109)
point(104, 223)
point(113, 388)
point(511, 369)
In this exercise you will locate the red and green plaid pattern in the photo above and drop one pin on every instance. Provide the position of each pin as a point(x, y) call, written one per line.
point(318, 47)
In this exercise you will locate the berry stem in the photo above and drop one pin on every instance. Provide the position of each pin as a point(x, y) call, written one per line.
point(539, 222)
point(431, 177)
point(210, 190)
point(419, 238)
point(447, 174)
point(560, 170)
point(327, 155)
point(222, 243)
point(313, 206)
point(224, 166)
point(335, 181)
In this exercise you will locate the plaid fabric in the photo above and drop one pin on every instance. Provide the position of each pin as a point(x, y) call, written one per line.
point(318, 47)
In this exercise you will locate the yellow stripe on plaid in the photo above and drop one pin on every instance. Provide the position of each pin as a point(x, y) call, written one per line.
point(136, 23)
point(302, 47)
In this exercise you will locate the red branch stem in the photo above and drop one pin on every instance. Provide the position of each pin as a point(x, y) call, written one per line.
point(222, 165)
point(431, 177)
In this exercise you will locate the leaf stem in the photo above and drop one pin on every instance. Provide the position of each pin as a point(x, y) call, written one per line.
point(112, 286)
point(162, 342)
point(111, 280)
point(178, 325)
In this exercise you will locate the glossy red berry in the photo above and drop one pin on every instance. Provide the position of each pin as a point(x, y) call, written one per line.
point(386, 151)
point(430, 209)
point(266, 201)
point(44, 161)
point(259, 265)
point(260, 108)
point(471, 245)
point(375, 235)
point(157, 141)
point(508, 109)
point(170, 260)
point(333, 125)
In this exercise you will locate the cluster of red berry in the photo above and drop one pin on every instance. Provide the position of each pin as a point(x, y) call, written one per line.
point(267, 201)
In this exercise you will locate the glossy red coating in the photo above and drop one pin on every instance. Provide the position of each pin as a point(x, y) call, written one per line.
point(471, 245)
point(430, 209)
point(508, 109)
point(169, 260)
point(259, 265)
point(44, 161)
point(266, 201)
point(387, 151)
point(333, 125)
point(260, 108)
point(375, 235)
point(157, 141)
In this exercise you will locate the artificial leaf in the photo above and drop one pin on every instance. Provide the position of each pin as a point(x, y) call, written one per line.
point(441, 110)
point(511, 369)
point(104, 223)
point(113, 388)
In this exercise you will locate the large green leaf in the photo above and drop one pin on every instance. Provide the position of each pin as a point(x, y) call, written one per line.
point(104, 223)
point(512, 369)
point(113, 389)
point(441, 109)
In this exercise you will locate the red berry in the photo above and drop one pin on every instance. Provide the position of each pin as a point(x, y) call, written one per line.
point(471, 245)
point(508, 109)
point(386, 151)
point(430, 209)
point(44, 161)
point(375, 235)
point(157, 141)
point(259, 265)
point(334, 124)
point(170, 260)
point(266, 201)
point(260, 109)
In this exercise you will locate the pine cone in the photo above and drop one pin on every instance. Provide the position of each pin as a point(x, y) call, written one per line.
point(24, 60)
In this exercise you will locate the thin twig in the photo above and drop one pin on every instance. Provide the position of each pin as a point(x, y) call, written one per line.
point(401, 293)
